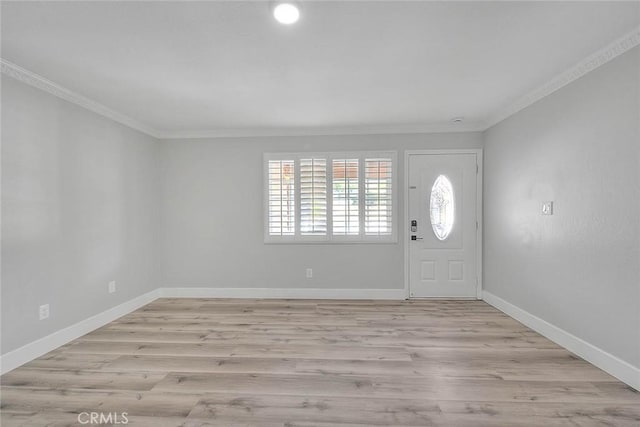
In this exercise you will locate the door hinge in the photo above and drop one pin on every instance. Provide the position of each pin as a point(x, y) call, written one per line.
point(476, 225)
point(477, 169)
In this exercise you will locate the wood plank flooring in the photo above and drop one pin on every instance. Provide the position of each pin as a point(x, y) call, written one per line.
point(288, 363)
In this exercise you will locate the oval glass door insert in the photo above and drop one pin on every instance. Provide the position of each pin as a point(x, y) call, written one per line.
point(442, 207)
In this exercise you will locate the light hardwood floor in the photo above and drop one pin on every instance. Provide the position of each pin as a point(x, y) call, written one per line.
point(267, 363)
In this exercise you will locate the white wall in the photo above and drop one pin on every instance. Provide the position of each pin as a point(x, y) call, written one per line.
point(212, 226)
point(79, 208)
point(580, 268)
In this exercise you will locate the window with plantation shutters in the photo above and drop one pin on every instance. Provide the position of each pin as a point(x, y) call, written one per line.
point(346, 197)
point(378, 211)
point(281, 198)
point(313, 197)
point(330, 197)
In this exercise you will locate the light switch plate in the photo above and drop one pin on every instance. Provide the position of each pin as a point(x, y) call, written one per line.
point(547, 208)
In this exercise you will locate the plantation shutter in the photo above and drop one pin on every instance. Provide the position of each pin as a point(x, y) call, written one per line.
point(378, 197)
point(345, 202)
point(281, 176)
point(332, 197)
point(313, 197)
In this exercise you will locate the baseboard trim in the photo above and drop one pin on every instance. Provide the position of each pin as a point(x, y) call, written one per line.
point(609, 363)
point(35, 349)
point(286, 293)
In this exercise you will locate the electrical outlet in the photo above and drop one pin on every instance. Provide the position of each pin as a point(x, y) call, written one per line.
point(112, 286)
point(547, 208)
point(309, 273)
point(44, 311)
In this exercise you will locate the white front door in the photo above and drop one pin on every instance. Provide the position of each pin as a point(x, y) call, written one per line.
point(443, 228)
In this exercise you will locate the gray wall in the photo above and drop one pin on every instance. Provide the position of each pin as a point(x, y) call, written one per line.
point(577, 269)
point(86, 201)
point(79, 208)
point(212, 226)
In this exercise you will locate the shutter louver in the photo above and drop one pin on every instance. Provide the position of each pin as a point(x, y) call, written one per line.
point(281, 198)
point(313, 197)
point(345, 202)
point(378, 197)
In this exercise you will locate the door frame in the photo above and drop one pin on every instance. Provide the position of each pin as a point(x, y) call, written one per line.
point(405, 232)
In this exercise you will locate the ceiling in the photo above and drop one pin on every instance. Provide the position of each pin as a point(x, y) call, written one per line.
point(229, 68)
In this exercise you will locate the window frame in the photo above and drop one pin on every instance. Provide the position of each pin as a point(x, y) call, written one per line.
point(330, 238)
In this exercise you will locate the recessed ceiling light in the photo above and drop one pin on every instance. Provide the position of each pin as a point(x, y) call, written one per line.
point(286, 13)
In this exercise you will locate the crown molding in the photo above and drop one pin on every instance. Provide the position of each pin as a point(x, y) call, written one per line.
point(435, 127)
point(590, 63)
point(32, 79)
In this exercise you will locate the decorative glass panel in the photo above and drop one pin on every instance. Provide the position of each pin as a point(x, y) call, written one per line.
point(442, 207)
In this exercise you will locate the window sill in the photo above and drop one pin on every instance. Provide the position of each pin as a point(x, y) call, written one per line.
point(332, 242)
